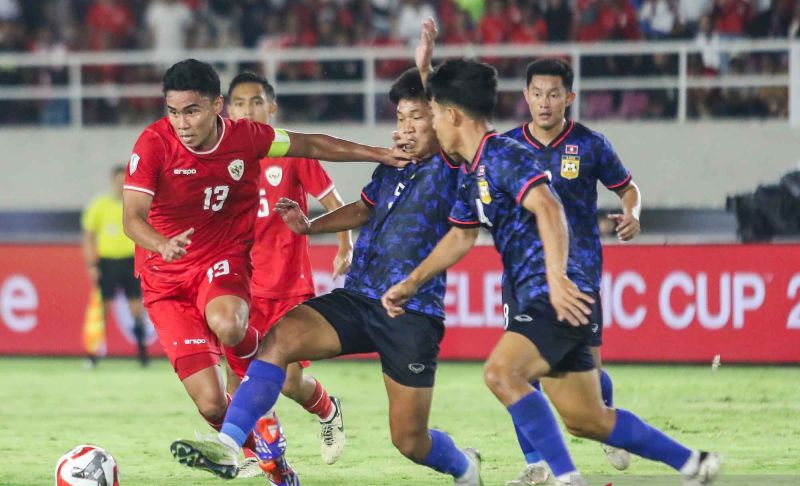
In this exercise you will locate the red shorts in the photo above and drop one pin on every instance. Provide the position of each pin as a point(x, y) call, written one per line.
point(177, 309)
point(265, 313)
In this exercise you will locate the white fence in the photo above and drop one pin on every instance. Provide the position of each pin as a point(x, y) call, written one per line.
point(76, 90)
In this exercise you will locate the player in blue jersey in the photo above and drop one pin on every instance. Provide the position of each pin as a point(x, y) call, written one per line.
point(577, 158)
point(402, 214)
point(546, 294)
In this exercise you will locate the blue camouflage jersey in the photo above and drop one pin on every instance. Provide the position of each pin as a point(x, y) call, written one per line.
point(491, 190)
point(577, 158)
point(409, 214)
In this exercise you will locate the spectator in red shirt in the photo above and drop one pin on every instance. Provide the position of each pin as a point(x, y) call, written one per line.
point(110, 23)
point(731, 17)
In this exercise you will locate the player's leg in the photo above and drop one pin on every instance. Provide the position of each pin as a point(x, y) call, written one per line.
point(508, 372)
point(108, 290)
point(619, 458)
point(133, 292)
point(577, 397)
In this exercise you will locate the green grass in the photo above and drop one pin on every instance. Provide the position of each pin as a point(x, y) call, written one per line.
point(47, 406)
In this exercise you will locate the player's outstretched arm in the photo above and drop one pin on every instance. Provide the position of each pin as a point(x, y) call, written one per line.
point(423, 56)
point(135, 207)
point(628, 227)
point(344, 257)
point(568, 301)
point(325, 147)
point(347, 217)
point(452, 248)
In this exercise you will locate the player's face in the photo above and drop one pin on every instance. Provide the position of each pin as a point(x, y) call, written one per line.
point(443, 127)
point(415, 124)
point(194, 118)
point(548, 100)
point(248, 100)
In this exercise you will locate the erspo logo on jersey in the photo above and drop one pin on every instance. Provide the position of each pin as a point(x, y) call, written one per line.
point(184, 171)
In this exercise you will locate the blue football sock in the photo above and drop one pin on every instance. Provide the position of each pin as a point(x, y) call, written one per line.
point(607, 388)
point(535, 420)
point(256, 395)
point(634, 435)
point(532, 456)
point(444, 456)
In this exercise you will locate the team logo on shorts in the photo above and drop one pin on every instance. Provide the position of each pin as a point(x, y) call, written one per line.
point(236, 169)
point(570, 166)
point(416, 368)
point(483, 191)
point(274, 175)
point(134, 163)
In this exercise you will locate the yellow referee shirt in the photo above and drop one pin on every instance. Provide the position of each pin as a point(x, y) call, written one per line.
point(103, 217)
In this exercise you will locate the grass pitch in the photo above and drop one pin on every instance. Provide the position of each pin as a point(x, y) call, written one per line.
point(47, 406)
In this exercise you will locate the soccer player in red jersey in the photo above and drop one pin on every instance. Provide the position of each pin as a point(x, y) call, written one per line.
point(282, 269)
point(190, 204)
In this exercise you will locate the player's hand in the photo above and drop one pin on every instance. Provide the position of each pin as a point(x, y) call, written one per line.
point(570, 303)
point(396, 157)
point(423, 56)
point(395, 297)
point(627, 227)
point(407, 143)
point(342, 261)
point(175, 248)
point(293, 216)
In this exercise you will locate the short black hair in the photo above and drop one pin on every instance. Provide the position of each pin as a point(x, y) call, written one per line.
point(251, 77)
point(552, 67)
point(468, 84)
point(408, 86)
point(192, 75)
point(117, 169)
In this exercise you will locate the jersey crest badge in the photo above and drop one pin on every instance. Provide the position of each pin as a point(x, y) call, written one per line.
point(570, 166)
point(483, 191)
point(236, 169)
point(274, 175)
point(134, 163)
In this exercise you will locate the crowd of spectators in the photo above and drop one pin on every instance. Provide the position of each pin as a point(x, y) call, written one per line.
point(62, 26)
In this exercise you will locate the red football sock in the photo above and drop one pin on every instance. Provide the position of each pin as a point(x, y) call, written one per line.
point(320, 403)
point(248, 346)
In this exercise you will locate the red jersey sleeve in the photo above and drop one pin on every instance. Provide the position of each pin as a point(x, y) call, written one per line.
point(313, 177)
point(145, 163)
point(262, 136)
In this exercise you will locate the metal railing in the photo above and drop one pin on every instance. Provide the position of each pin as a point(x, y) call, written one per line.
point(370, 86)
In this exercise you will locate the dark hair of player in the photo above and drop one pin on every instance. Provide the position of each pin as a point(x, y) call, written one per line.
point(552, 67)
point(408, 86)
point(467, 84)
point(117, 169)
point(251, 77)
point(192, 75)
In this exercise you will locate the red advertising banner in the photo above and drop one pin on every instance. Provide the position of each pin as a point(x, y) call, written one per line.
point(660, 303)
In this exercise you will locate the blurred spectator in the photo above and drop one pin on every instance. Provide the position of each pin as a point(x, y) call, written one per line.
point(168, 22)
point(410, 17)
point(689, 14)
point(708, 40)
point(111, 25)
point(731, 17)
point(491, 29)
point(558, 17)
point(658, 18)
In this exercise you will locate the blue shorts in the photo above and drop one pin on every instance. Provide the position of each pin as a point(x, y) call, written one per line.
point(408, 345)
point(565, 347)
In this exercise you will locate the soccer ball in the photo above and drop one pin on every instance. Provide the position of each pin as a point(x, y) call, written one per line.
point(87, 465)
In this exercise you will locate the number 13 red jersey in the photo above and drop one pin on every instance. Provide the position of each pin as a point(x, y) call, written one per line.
point(215, 192)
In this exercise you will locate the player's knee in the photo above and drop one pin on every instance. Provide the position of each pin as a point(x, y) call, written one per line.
point(278, 345)
point(228, 325)
point(410, 443)
point(292, 388)
point(500, 375)
point(212, 408)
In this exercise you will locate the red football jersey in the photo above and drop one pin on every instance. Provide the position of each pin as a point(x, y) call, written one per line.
point(280, 257)
point(215, 192)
